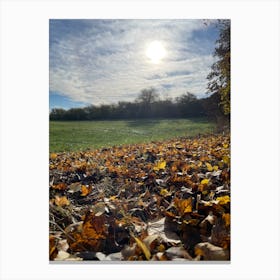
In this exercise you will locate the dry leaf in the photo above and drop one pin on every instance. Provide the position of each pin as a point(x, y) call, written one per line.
point(60, 186)
point(92, 235)
point(85, 190)
point(211, 252)
point(209, 167)
point(226, 218)
point(53, 156)
point(160, 165)
point(143, 247)
point(183, 205)
point(223, 199)
point(164, 231)
point(205, 181)
point(53, 251)
point(61, 201)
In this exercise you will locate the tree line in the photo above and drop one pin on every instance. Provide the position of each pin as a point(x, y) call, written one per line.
point(146, 105)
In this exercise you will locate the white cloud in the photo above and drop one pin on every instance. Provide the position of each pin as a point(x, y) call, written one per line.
point(104, 61)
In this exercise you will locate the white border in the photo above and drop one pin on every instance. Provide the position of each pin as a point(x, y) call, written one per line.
point(24, 138)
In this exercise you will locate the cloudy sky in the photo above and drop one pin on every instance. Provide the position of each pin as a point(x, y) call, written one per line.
point(106, 61)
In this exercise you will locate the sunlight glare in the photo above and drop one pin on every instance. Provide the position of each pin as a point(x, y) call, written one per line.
point(155, 52)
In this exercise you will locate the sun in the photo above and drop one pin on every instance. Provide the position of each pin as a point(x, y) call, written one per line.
point(155, 52)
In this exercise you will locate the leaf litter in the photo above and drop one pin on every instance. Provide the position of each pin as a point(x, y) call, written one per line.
point(161, 201)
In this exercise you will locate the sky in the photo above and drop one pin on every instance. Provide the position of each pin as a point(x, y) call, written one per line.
point(107, 61)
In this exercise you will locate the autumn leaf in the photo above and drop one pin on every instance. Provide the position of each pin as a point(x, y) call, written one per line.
point(183, 205)
point(226, 218)
point(53, 156)
point(53, 251)
point(143, 247)
point(91, 236)
point(85, 190)
point(61, 201)
point(60, 186)
point(205, 181)
point(226, 159)
point(164, 192)
point(210, 252)
point(223, 199)
point(160, 165)
point(209, 167)
point(216, 167)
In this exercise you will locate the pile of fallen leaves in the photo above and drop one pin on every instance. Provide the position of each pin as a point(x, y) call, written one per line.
point(158, 201)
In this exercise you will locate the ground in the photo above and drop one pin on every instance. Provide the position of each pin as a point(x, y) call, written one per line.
point(79, 136)
point(162, 200)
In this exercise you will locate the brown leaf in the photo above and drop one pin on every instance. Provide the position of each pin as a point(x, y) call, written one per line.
point(183, 205)
point(85, 190)
point(53, 251)
point(60, 186)
point(92, 235)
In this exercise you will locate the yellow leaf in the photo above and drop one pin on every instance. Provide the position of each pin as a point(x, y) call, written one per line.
point(143, 247)
point(216, 167)
point(85, 190)
point(205, 182)
point(53, 156)
point(184, 205)
point(225, 146)
point(160, 165)
point(226, 218)
point(223, 199)
point(209, 167)
point(226, 159)
point(199, 164)
point(61, 201)
point(164, 192)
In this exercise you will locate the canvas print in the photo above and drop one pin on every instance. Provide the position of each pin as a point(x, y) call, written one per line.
point(139, 140)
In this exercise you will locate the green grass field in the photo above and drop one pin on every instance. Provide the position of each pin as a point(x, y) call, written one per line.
point(76, 136)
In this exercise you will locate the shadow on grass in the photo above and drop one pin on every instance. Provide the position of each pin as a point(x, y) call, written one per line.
point(143, 122)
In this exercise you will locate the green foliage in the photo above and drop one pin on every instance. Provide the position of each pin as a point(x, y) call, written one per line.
point(75, 136)
point(219, 77)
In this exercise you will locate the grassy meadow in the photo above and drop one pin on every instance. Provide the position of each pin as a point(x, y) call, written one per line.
point(82, 135)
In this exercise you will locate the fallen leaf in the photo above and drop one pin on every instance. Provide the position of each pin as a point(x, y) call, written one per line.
point(160, 165)
point(90, 237)
point(143, 247)
point(85, 190)
point(226, 159)
point(53, 251)
point(53, 156)
point(223, 199)
point(211, 252)
point(164, 231)
point(205, 181)
point(209, 167)
point(177, 252)
point(60, 186)
point(75, 187)
point(183, 205)
point(165, 192)
point(61, 201)
point(226, 218)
